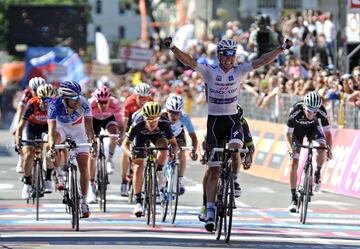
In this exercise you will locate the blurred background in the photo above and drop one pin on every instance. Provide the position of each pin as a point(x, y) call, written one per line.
point(118, 43)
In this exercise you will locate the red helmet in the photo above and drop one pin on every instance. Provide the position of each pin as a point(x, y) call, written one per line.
point(102, 94)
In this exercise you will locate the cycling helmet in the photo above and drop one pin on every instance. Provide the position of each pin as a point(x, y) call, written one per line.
point(102, 94)
point(35, 82)
point(175, 103)
point(240, 111)
point(151, 109)
point(70, 88)
point(226, 44)
point(142, 90)
point(46, 91)
point(312, 100)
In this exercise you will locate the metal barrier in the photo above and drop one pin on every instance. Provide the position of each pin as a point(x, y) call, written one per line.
point(341, 114)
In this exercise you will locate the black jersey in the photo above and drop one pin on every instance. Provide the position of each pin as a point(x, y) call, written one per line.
point(298, 120)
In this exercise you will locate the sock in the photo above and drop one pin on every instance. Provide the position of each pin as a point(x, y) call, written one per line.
point(210, 210)
point(83, 199)
point(138, 198)
point(181, 179)
point(204, 200)
point(110, 156)
point(48, 174)
point(293, 194)
point(235, 177)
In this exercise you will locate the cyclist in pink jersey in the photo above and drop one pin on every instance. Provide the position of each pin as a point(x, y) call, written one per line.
point(107, 114)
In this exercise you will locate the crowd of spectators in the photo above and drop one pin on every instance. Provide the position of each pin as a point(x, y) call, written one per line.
point(309, 65)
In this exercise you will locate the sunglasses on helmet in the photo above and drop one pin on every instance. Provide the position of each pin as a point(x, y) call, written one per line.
point(228, 52)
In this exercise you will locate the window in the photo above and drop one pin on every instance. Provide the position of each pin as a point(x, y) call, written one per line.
point(266, 4)
point(121, 32)
point(98, 7)
point(292, 4)
point(98, 28)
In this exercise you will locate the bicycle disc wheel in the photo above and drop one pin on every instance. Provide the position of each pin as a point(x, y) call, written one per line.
point(37, 187)
point(174, 197)
point(228, 207)
point(75, 212)
point(153, 197)
point(305, 201)
point(219, 213)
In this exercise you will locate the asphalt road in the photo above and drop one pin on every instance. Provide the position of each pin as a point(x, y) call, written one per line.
point(261, 219)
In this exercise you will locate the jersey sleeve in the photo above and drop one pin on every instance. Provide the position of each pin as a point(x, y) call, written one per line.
point(52, 110)
point(133, 131)
point(186, 121)
point(202, 69)
point(85, 104)
point(29, 110)
point(243, 69)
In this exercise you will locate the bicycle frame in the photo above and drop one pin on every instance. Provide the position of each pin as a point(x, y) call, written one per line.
point(150, 182)
point(38, 179)
point(225, 201)
point(305, 187)
point(71, 193)
point(102, 176)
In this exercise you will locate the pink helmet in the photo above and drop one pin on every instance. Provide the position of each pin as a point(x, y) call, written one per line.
point(102, 94)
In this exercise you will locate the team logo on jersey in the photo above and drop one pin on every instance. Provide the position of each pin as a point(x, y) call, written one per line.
point(218, 78)
point(231, 78)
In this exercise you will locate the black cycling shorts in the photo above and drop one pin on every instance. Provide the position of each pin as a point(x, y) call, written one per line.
point(103, 123)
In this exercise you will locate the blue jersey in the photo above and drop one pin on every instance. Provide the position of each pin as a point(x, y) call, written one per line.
point(57, 111)
point(183, 121)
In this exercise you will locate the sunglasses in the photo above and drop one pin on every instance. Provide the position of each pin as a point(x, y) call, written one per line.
point(228, 53)
point(73, 97)
point(174, 113)
point(152, 120)
point(309, 110)
point(46, 100)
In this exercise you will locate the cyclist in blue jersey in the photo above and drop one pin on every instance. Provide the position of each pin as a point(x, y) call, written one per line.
point(70, 115)
point(222, 86)
point(178, 120)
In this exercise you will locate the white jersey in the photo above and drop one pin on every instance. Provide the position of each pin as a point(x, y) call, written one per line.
point(223, 89)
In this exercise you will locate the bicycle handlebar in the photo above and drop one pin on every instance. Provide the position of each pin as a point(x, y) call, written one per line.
point(108, 135)
point(232, 150)
point(150, 148)
point(71, 146)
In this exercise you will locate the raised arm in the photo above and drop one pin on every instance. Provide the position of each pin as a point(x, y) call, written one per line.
point(180, 55)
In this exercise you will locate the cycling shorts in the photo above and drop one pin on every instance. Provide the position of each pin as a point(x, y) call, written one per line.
point(76, 132)
point(315, 134)
point(141, 140)
point(32, 131)
point(105, 123)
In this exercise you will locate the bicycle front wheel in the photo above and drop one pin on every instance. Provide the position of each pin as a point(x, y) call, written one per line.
point(175, 194)
point(103, 184)
point(147, 193)
point(219, 212)
point(228, 206)
point(305, 196)
point(74, 197)
point(153, 195)
point(37, 189)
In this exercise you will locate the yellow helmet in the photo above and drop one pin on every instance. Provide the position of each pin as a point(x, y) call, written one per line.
point(151, 109)
point(46, 91)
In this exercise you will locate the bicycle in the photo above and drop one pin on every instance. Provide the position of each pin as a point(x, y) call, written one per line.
point(71, 197)
point(129, 180)
point(38, 182)
point(102, 176)
point(304, 190)
point(170, 195)
point(150, 183)
point(225, 201)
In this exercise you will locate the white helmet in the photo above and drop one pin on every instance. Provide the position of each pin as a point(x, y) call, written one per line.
point(312, 100)
point(35, 82)
point(175, 103)
point(142, 90)
point(226, 44)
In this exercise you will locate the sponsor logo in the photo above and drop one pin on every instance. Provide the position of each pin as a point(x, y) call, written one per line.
point(218, 78)
point(223, 90)
point(231, 78)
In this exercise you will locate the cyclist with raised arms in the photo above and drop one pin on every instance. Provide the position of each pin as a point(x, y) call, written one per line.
point(32, 125)
point(148, 126)
point(27, 94)
point(70, 115)
point(222, 84)
point(107, 114)
point(307, 118)
point(179, 119)
point(246, 160)
point(132, 104)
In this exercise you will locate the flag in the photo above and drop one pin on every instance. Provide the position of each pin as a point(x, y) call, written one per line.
point(102, 49)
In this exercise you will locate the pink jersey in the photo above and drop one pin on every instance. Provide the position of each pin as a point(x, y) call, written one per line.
point(113, 109)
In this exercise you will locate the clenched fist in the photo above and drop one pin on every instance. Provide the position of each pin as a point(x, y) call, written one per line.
point(168, 42)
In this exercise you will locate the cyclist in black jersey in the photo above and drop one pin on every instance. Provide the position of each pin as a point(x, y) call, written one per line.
point(147, 125)
point(307, 118)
